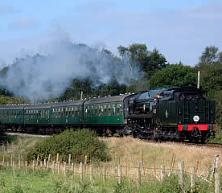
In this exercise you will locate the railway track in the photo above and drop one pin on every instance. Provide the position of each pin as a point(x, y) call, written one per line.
point(211, 145)
point(26, 135)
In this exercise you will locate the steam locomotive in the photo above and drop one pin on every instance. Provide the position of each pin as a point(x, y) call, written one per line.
point(178, 113)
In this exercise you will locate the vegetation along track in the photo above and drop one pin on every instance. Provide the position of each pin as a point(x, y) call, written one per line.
point(211, 145)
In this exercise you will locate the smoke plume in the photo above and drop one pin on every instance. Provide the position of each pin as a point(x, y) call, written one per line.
point(48, 74)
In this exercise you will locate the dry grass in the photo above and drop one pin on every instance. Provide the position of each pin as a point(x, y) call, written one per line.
point(20, 145)
point(130, 151)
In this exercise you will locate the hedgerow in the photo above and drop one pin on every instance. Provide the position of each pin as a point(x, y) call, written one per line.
point(79, 144)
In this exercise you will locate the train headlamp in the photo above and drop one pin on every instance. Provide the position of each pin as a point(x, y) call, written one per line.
point(196, 118)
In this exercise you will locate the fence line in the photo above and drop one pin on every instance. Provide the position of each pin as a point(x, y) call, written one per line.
point(139, 173)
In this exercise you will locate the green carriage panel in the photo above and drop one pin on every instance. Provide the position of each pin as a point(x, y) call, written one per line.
point(107, 111)
point(37, 114)
point(4, 115)
point(12, 114)
point(67, 113)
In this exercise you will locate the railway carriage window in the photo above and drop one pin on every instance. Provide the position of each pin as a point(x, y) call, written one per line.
point(93, 110)
point(117, 110)
point(96, 109)
point(114, 109)
point(89, 111)
point(108, 110)
point(105, 110)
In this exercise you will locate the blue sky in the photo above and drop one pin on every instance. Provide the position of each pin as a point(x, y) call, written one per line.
point(180, 29)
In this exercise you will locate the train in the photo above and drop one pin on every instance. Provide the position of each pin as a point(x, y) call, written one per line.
point(175, 113)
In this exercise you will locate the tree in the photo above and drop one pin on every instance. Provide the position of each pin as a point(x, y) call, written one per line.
point(148, 61)
point(75, 89)
point(174, 75)
point(211, 78)
point(210, 55)
point(111, 88)
point(210, 67)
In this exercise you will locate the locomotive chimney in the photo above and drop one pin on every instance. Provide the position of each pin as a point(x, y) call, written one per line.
point(198, 79)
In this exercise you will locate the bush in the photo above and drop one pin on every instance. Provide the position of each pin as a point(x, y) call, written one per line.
point(78, 143)
point(4, 138)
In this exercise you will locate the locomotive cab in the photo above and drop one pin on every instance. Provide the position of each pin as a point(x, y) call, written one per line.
point(189, 111)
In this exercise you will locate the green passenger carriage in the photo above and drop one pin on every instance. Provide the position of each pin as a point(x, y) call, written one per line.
point(11, 115)
point(37, 114)
point(67, 113)
point(105, 111)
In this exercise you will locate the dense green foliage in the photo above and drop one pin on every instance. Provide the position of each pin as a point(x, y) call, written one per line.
point(210, 65)
point(78, 143)
point(18, 181)
point(10, 100)
point(174, 75)
point(88, 89)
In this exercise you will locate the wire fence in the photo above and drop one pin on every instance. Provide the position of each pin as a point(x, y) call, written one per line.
point(119, 171)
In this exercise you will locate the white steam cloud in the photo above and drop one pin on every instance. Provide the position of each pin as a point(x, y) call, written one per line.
point(44, 76)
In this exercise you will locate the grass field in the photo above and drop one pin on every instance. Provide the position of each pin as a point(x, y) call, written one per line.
point(127, 150)
point(21, 181)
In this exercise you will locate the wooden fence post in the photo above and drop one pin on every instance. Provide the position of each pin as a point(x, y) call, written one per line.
point(69, 159)
point(13, 167)
point(119, 175)
point(104, 175)
point(48, 161)
point(19, 161)
point(33, 165)
point(181, 175)
point(162, 172)
point(53, 167)
point(73, 170)
point(192, 179)
point(37, 160)
point(58, 167)
point(44, 163)
point(90, 173)
point(140, 173)
point(3, 159)
point(49, 158)
point(85, 159)
point(26, 166)
point(57, 157)
point(217, 175)
point(172, 164)
point(11, 160)
point(81, 170)
point(3, 149)
point(64, 168)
